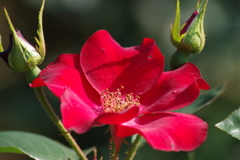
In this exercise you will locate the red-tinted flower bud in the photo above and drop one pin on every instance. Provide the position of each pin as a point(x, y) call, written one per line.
point(20, 55)
point(190, 37)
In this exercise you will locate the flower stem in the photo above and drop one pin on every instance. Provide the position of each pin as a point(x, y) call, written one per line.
point(116, 144)
point(178, 58)
point(135, 146)
point(47, 107)
point(30, 76)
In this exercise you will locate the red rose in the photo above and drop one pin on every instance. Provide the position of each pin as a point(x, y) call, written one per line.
point(127, 89)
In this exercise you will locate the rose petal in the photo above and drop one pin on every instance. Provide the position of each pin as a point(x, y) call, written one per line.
point(38, 82)
point(167, 131)
point(202, 84)
point(175, 89)
point(76, 114)
point(66, 72)
point(108, 65)
point(118, 118)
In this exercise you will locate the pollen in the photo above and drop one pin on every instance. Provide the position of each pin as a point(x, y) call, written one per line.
point(114, 102)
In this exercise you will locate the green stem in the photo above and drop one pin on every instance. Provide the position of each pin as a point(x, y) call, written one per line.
point(47, 107)
point(114, 155)
point(135, 146)
point(178, 58)
point(116, 144)
point(30, 76)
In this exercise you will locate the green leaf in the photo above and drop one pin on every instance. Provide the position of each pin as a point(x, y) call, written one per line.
point(204, 100)
point(231, 124)
point(35, 146)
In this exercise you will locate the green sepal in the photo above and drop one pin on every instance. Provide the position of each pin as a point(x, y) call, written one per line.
point(41, 47)
point(175, 28)
point(1, 47)
point(15, 39)
point(176, 38)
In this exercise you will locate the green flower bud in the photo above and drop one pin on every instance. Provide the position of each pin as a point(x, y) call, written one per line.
point(23, 56)
point(189, 37)
point(20, 55)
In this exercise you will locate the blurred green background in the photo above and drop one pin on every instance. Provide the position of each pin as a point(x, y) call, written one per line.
point(67, 25)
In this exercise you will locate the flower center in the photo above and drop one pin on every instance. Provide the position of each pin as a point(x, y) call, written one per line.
point(114, 102)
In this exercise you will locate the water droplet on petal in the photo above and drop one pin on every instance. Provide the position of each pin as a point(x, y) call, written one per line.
point(174, 92)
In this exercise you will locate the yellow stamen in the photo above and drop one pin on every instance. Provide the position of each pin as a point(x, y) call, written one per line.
point(114, 102)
